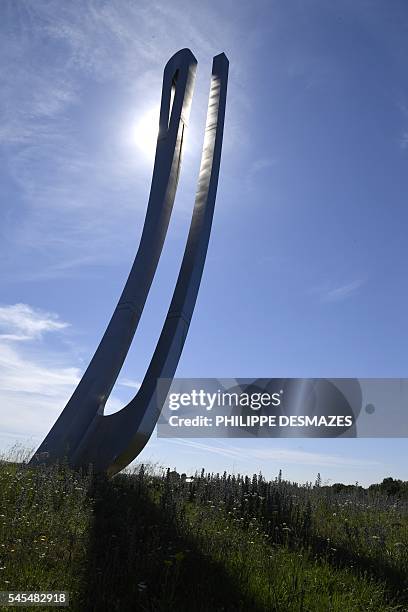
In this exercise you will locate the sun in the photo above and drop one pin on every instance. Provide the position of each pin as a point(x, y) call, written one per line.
point(145, 132)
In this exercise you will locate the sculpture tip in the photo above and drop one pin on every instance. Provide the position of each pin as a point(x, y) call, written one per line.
point(221, 57)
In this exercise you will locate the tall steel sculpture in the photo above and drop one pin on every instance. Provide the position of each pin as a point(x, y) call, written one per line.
point(82, 434)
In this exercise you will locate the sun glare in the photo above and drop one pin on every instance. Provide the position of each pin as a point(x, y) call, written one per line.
point(145, 132)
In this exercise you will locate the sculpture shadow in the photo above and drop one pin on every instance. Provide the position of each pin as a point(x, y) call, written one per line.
point(394, 580)
point(138, 560)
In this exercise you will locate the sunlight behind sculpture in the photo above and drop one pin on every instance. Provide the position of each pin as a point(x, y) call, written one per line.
point(82, 434)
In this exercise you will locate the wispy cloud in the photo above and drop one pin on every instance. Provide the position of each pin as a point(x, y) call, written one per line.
point(202, 447)
point(404, 140)
point(114, 403)
point(36, 380)
point(343, 292)
point(32, 391)
point(78, 177)
point(281, 456)
point(130, 383)
point(34, 384)
point(307, 458)
point(259, 165)
point(22, 322)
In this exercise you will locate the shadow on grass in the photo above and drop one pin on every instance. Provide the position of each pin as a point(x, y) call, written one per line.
point(339, 556)
point(138, 560)
point(394, 580)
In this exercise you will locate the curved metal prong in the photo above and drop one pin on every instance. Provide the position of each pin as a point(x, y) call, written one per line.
point(111, 442)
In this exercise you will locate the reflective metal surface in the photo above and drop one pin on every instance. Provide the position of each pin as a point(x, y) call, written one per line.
point(83, 434)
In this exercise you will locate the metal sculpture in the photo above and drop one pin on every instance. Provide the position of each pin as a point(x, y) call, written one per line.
point(82, 434)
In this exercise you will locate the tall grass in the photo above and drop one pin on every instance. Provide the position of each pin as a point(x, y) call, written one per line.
point(45, 520)
point(152, 540)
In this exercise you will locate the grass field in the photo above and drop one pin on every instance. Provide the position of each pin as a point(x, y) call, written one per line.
point(153, 540)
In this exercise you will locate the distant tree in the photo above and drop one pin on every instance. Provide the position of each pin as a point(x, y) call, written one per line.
point(391, 487)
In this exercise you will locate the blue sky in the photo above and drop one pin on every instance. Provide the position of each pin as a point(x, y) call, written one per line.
point(306, 268)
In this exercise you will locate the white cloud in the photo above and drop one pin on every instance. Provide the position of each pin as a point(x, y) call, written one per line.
point(300, 457)
point(330, 293)
point(34, 385)
point(286, 456)
point(36, 381)
point(343, 292)
point(74, 172)
point(22, 322)
point(114, 403)
point(24, 376)
point(127, 382)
